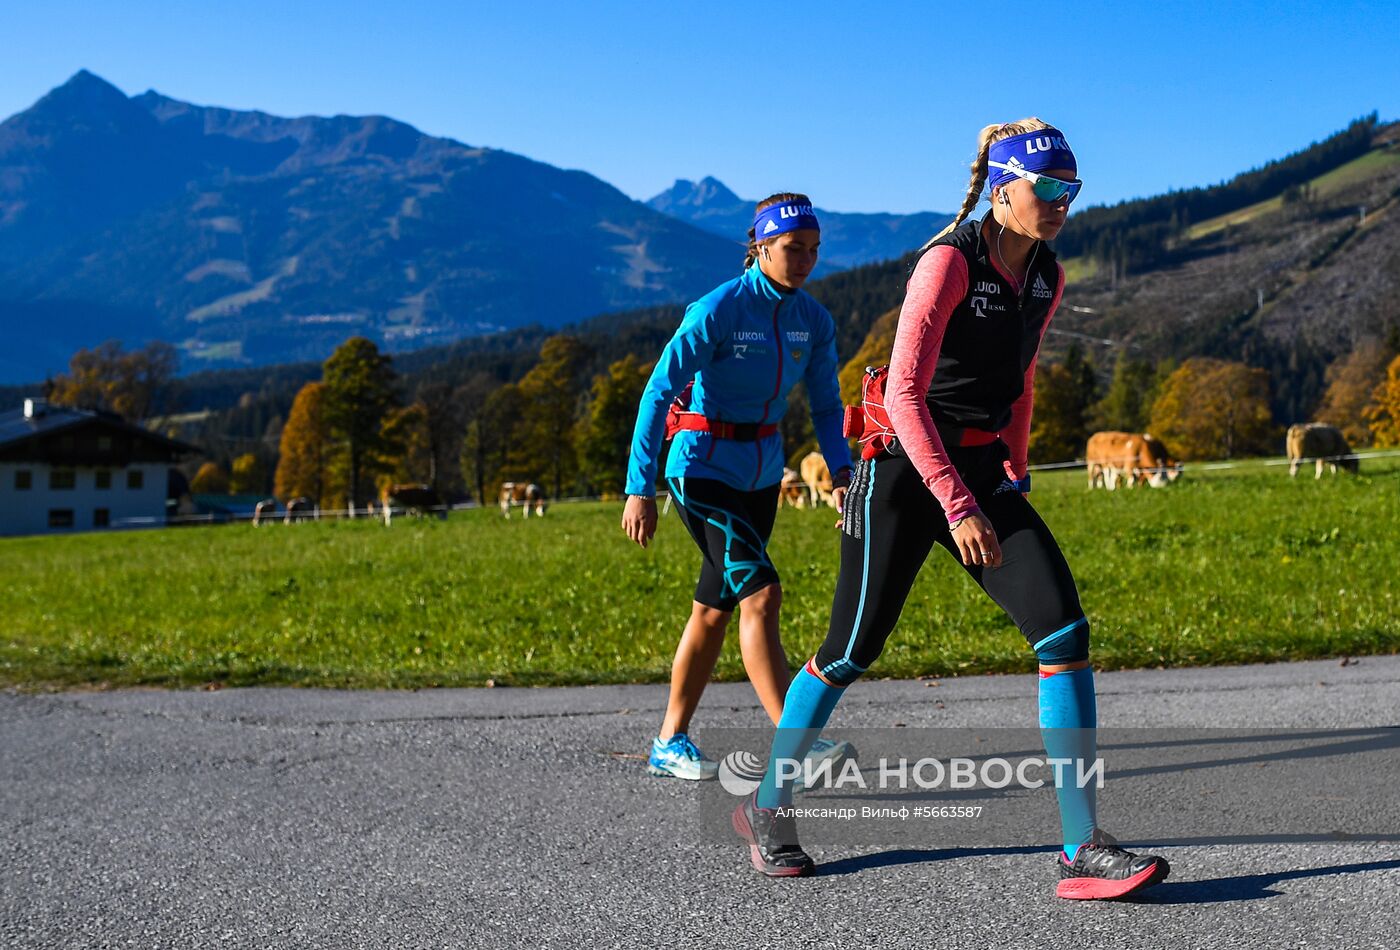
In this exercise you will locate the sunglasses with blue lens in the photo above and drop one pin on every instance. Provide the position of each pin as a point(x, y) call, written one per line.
point(1047, 189)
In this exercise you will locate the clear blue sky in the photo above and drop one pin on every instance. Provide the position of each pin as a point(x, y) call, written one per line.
point(866, 108)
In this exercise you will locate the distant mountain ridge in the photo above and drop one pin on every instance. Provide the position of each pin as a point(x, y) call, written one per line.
point(1288, 285)
point(848, 239)
point(250, 238)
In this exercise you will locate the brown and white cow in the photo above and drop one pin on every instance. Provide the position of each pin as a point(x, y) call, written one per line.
point(1323, 443)
point(264, 510)
point(416, 500)
point(298, 509)
point(817, 479)
point(792, 490)
point(525, 494)
point(1130, 457)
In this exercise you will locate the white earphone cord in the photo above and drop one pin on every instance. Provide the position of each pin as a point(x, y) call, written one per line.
point(1035, 248)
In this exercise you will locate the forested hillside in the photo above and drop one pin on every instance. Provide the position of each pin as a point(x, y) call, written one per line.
point(1276, 290)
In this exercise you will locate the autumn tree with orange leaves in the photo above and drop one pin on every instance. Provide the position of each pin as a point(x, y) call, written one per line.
point(247, 475)
point(306, 453)
point(1210, 408)
point(875, 351)
point(133, 384)
point(1351, 383)
point(209, 480)
point(1383, 412)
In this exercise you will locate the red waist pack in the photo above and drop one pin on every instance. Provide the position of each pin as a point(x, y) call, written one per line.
point(679, 405)
point(870, 422)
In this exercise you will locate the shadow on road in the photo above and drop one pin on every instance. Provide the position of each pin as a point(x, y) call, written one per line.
point(1247, 887)
point(886, 859)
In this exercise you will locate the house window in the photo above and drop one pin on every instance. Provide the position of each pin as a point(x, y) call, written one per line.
point(62, 479)
point(104, 478)
point(135, 478)
point(104, 443)
point(24, 479)
point(60, 517)
point(101, 517)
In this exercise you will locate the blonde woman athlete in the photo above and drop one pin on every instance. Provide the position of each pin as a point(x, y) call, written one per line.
point(959, 398)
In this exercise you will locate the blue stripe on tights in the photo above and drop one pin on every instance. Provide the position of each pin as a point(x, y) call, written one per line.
point(864, 581)
point(1062, 632)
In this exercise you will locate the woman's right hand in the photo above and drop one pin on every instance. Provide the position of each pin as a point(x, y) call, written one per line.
point(639, 518)
point(977, 542)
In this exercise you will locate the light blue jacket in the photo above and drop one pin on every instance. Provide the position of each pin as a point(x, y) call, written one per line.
point(746, 344)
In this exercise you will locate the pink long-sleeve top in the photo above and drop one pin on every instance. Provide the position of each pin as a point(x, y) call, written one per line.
point(939, 283)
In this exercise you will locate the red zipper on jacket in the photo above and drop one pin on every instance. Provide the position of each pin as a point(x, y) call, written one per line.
point(777, 388)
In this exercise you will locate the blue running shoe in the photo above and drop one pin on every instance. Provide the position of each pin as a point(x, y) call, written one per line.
point(678, 757)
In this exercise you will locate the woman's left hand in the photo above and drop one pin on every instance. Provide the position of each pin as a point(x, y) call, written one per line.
point(838, 501)
point(977, 541)
point(842, 482)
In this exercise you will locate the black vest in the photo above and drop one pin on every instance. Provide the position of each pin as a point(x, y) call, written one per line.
point(992, 336)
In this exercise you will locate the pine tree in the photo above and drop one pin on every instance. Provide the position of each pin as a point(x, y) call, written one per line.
point(605, 433)
point(405, 439)
point(1064, 393)
point(360, 391)
point(491, 452)
point(549, 404)
point(443, 426)
point(1126, 407)
point(470, 398)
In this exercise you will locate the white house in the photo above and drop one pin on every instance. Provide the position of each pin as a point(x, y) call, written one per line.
point(65, 470)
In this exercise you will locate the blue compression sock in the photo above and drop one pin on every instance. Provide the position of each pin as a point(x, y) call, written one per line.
point(806, 709)
point(1068, 721)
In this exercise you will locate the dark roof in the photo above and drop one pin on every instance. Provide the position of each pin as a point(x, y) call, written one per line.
point(15, 428)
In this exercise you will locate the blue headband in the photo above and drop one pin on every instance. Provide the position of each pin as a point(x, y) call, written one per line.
point(780, 219)
point(1038, 151)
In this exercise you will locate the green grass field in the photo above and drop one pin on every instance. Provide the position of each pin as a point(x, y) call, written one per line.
point(1079, 268)
point(1377, 162)
point(1223, 567)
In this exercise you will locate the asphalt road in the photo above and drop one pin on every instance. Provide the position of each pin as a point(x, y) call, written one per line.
point(524, 818)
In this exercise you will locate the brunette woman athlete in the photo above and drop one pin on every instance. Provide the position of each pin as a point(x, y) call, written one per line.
point(745, 345)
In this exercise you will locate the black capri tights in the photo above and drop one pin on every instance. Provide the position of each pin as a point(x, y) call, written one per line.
point(731, 528)
point(891, 523)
